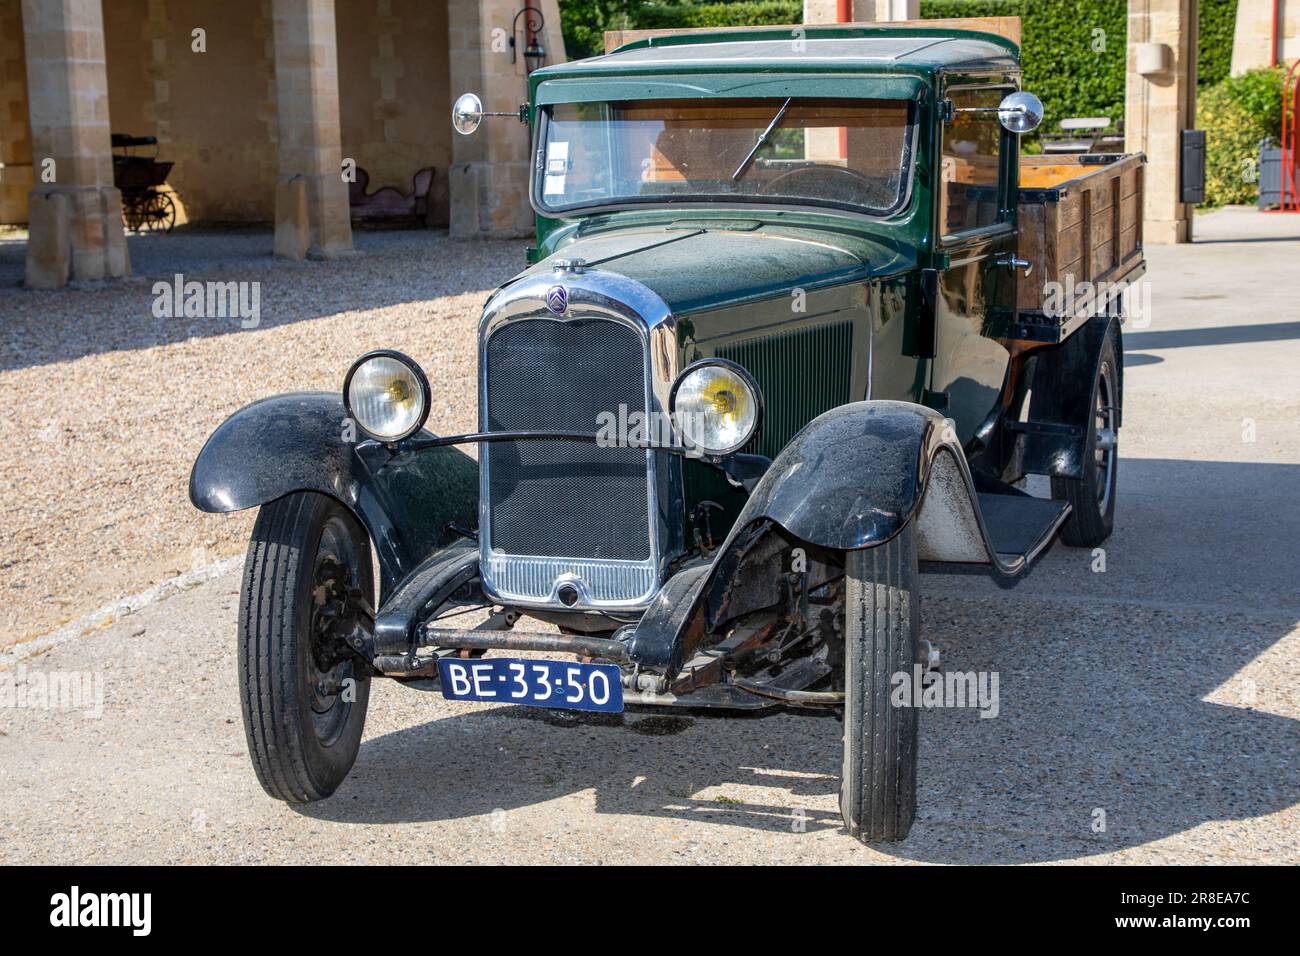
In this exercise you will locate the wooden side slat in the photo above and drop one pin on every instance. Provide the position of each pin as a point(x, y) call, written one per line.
point(1128, 242)
point(1103, 260)
point(1071, 210)
point(1090, 232)
point(1069, 243)
point(1031, 220)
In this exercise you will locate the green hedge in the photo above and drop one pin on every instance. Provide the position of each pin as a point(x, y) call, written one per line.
point(1236, 114)
point(1073, 51)
point(1077, 70)
point(585, 21)
point(1058, 38)
point(1217, 24)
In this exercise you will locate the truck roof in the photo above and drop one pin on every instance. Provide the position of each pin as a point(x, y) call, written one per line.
point(842, 49)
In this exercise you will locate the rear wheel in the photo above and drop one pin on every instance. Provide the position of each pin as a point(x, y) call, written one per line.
point(882, 621)
point(1092, 497)
point(304, 693)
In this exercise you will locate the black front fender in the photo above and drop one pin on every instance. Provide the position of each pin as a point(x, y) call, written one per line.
point(301, 442)
point(851, 479)
point(854, 476)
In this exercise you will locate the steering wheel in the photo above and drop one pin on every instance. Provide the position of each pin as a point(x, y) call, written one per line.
point(829, 182)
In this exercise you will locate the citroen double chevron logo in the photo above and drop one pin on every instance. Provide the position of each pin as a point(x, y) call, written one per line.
point(557, 299)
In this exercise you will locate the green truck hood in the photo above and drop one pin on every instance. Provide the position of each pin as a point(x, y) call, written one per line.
point(696, 266)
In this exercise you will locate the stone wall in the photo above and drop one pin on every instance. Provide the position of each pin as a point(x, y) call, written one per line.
point(1250, 42)
point(214, 112)
point(394, 92)
point(15, 135)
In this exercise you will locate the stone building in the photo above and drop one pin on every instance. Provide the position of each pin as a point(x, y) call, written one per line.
point(258, 102)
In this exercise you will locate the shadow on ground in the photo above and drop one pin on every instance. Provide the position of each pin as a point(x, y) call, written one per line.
point(1100, 693)
point(1217, 335)
point(389, 267)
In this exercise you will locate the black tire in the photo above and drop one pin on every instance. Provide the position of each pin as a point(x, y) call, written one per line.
point(1092, 497)
point(882, 621)
point(301, 745)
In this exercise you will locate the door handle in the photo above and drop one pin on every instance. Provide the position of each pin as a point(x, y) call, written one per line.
point(1014, 263)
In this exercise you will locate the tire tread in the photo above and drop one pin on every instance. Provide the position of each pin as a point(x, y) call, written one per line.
point(878, 791)
point(269, 669)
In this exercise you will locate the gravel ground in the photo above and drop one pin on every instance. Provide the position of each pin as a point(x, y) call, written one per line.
point(1160, 692)
point(108, 405)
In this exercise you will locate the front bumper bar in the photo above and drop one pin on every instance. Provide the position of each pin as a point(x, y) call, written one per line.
point(580, 644)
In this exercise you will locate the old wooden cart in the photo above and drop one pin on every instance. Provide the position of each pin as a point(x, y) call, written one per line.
point(144, 205)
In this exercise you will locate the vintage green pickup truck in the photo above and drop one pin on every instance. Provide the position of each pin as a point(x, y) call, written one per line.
point(798, 320)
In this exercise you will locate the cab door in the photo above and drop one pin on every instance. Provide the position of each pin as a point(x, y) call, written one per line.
point(975, 294)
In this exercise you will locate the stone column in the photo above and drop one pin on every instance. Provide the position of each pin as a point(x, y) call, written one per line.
point(488, 181)
point(15, 134)
point(311, 199)
point(864, 11)
point(1159, 103)
point(77, 231)
point(891, 10)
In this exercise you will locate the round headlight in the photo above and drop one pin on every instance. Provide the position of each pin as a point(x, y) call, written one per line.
point(716, 406)
point(387, 395)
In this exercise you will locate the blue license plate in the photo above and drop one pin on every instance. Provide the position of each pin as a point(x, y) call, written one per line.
point(536, 683)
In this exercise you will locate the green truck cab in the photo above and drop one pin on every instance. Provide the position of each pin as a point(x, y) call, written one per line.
point(779, 348)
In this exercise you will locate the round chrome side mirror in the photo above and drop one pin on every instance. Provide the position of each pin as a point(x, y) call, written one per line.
point(1020, 112)
point(467, 113)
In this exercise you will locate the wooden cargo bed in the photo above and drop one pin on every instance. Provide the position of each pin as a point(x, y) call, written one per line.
point(1080, 222)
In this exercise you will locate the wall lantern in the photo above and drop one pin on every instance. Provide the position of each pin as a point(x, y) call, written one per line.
point(534, 52)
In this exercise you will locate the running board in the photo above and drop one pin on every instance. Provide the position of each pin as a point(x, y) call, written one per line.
point(1020, 527)
point(956, 525)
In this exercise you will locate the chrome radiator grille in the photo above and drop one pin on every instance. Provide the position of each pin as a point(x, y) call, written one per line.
point(565, 509)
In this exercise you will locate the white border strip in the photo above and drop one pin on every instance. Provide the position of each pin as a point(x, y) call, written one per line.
point(111, 613)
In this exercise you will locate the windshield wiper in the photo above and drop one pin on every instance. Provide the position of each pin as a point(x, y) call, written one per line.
point(762, 138)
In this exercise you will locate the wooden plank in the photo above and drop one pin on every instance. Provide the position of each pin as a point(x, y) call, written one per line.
point(1128, 183)
point(1128, 212)
point(1031, 220)
point(1073, 268)
point(1069, 210)
point(1101, 226)
point(1045, 177)
point(1128, 241)
point(1008, 27)
point(1087, 235)
point(1141, 201)
point(1103, 261)
point(1069, 248)
point(1114, 220)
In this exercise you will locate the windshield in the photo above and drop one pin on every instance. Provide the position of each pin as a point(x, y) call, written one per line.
point(846, 153)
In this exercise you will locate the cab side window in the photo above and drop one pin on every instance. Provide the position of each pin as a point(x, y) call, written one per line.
point(968, 195)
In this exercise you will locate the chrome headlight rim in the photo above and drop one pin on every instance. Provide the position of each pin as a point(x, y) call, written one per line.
point(740, 372)
point(426, 393)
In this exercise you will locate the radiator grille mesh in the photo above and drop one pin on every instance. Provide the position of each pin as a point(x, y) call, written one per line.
point(565, 498)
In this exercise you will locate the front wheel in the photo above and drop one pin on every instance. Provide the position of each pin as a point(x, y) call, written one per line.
point(882, 621)
point(304, 693)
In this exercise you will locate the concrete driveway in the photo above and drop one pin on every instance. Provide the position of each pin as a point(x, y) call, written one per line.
point(1157, 696)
